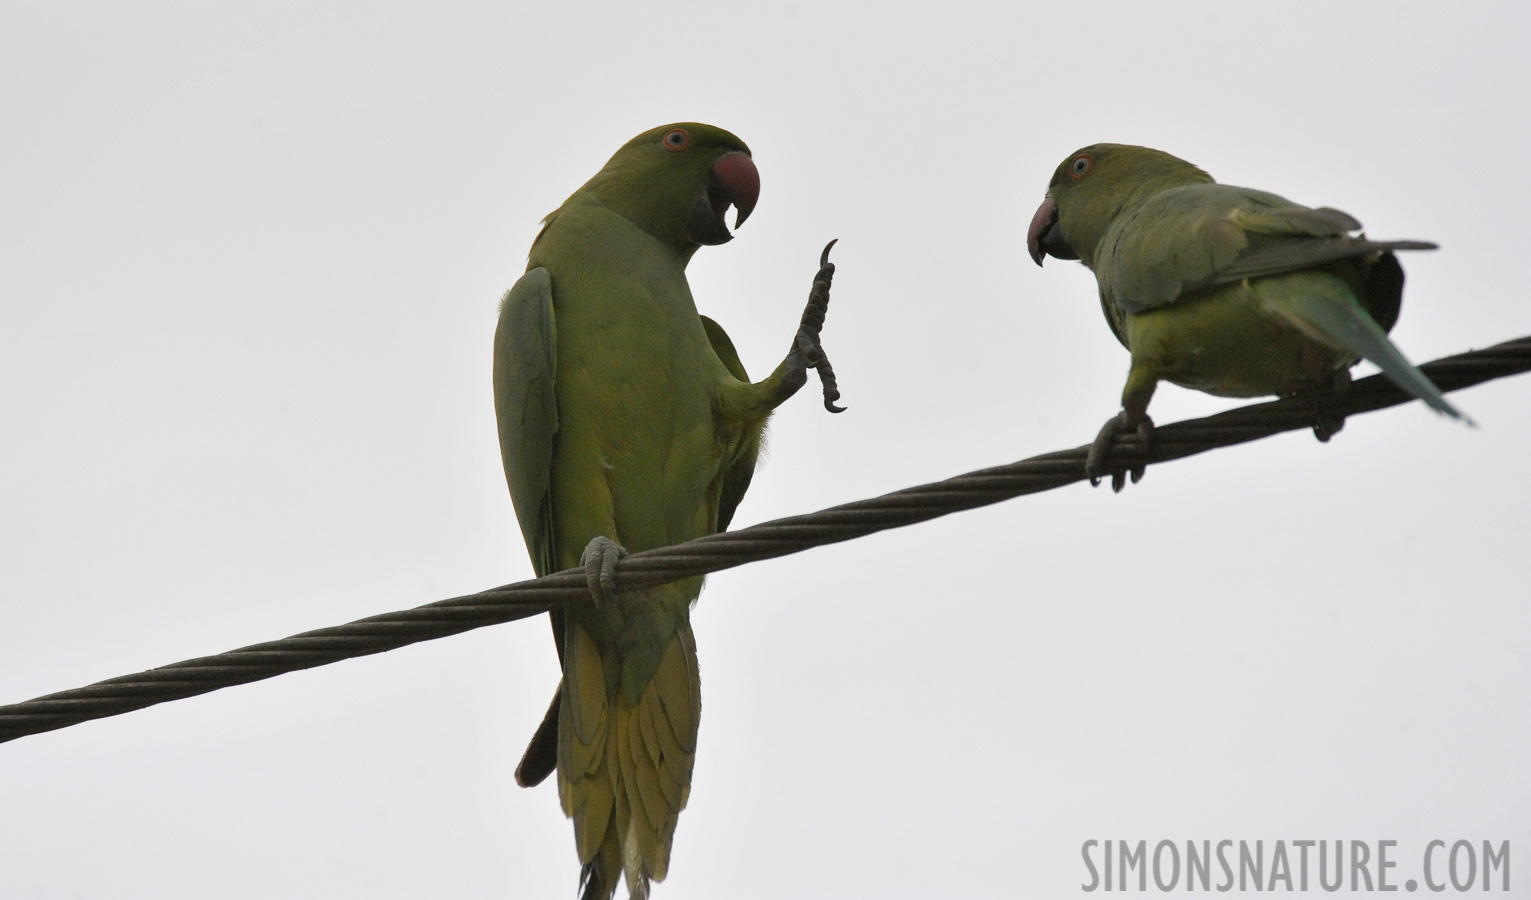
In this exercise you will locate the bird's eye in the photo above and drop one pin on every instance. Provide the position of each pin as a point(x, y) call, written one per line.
point(1081, 165)
point(678, 139)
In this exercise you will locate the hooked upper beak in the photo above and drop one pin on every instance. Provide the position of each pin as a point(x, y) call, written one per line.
point(733, 180)
point(1044, 237)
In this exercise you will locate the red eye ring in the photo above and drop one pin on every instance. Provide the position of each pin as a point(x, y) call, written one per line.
point(676, 140)
point(1081, 166)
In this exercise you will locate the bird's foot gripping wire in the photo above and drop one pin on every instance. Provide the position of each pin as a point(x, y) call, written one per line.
point(1096, 463)
point(600, 563)
point(1327, 421)
point(807, 351)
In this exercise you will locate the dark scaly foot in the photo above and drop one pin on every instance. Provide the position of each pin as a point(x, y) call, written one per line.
point(1095, 464)
point(807, 351)
point(1327, 422)
point(600, 562)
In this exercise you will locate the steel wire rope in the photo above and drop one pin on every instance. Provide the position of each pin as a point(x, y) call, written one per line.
point(713, 553)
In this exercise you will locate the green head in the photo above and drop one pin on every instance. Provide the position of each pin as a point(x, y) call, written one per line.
point(676, 182)
point(1091, 187)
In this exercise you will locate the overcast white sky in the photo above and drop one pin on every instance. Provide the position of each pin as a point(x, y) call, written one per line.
point(249, 262)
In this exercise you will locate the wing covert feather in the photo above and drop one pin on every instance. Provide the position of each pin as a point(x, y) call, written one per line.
point(1200, 236)
point(525, 360)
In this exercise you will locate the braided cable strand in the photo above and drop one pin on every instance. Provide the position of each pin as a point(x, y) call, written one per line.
point(767, 540)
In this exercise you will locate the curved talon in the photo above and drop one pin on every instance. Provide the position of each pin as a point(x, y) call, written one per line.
point(1146, 434)
point(1100, 448)
point(600, 562)
point(824, 257)
point(831, 388)
point(1327, 427)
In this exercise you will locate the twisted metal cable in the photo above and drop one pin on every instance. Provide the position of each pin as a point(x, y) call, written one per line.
point(767, 540)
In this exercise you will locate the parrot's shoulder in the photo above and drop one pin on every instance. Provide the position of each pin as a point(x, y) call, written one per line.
point(1174, 238)
point(583, 226)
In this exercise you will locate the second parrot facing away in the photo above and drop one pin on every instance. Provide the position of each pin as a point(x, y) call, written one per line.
point(1228, 290)
point(627, 421)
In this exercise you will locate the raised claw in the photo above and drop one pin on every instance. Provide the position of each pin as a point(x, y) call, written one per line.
point(600, 563)
point(806, 342)
point(824, 257)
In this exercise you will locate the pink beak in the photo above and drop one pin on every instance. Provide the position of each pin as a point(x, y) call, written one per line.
point(1041, 224)
point(740, 180)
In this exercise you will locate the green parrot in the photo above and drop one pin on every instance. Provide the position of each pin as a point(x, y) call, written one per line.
point(627, 421)
point(1227, 290)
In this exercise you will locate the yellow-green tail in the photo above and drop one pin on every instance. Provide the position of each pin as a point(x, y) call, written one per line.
point(624, 766)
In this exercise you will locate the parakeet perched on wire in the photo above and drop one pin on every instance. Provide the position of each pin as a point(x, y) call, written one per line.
point(626, 420)
point(1228, 290)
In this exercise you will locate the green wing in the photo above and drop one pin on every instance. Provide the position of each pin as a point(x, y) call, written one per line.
point(736, 478)
point(1199, 236)
point(1192, 238)
point(525, 358)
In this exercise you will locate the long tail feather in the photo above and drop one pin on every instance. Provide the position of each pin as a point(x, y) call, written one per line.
point(541, 756)
point(625, 763)
point(1326, 310)
point(598, 878)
